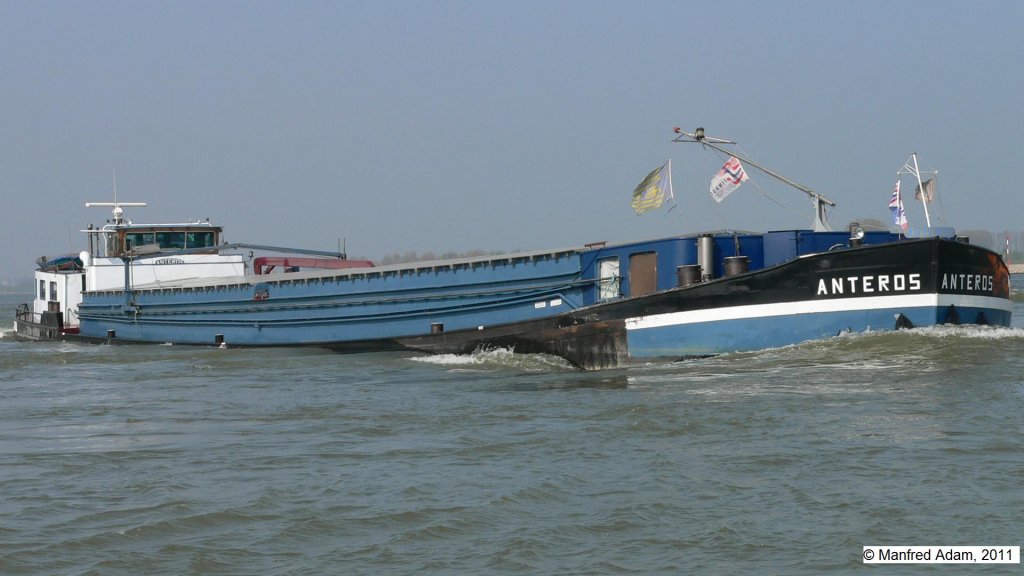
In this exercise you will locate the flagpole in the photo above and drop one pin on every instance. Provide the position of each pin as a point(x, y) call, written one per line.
point(899, 199)
point(920, 186)
point(671, 194)
point(899, 205)
point(820, 201)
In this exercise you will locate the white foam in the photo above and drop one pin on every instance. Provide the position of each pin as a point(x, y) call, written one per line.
point(969, 331)
point(483, 358)
point(448, 359)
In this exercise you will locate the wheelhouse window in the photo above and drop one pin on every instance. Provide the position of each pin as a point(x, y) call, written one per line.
point(170, 240)
point(42, 289)
point(53, 291)
point(111, 246)
point(136, 239)
point(196, 239)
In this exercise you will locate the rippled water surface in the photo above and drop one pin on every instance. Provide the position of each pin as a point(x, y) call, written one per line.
point(181, 460)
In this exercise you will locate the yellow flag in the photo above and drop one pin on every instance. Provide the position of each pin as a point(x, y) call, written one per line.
point(650, 194)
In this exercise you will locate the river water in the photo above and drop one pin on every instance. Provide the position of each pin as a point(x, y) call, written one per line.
point(180, 460)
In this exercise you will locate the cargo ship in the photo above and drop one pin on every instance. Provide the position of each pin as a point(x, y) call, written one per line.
point(597, 305)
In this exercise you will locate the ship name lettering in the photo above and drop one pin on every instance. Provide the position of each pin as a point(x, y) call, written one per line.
point(869, 284)
point(968, 282)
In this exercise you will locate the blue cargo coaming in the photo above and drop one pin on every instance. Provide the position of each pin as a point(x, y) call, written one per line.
point(295, 326)
point(747, 328)
point(382, 303)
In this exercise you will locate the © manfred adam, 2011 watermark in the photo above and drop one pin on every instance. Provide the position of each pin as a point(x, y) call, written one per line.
point(941, 554)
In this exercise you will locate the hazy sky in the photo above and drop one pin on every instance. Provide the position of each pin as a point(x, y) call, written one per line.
point(437, 125)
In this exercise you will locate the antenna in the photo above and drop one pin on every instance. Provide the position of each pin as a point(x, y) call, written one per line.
point(117, 206)
point(117, 211)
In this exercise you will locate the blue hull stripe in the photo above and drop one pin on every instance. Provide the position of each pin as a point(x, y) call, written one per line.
point(743, 328)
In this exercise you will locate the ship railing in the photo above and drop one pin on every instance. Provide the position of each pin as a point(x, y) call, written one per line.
point(46, 325)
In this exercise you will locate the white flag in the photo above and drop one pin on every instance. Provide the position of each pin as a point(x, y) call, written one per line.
point(728, 179)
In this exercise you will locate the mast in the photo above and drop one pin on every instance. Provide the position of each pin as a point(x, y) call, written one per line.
point(911, 167)
point(119, 220)
point(820, 202)
point(920, 187)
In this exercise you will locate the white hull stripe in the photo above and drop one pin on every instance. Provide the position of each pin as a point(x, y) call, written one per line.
point(816, 307)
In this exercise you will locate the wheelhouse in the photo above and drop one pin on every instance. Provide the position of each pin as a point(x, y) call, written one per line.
point(116, 241)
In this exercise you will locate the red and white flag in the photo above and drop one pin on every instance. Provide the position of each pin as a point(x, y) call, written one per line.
point(728, 179)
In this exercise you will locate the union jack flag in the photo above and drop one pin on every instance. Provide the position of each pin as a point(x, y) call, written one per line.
point(899, 215)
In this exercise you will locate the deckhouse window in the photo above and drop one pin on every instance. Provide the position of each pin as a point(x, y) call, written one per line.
point(53, 290)
point(608, 269)
point(42, 289)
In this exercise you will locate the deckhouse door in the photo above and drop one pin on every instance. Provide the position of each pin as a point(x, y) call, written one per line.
point(643, 273)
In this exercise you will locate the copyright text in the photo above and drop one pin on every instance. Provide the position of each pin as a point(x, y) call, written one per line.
point(941, 554)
